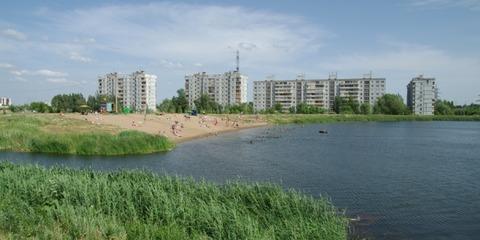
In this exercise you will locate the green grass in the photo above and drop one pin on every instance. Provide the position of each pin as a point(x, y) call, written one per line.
point(326, 118)
point(52, 134)
point(59, 203)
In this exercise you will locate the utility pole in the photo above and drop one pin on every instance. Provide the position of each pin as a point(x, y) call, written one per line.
point(116, 92)
point(238, 61)
point(145, 116)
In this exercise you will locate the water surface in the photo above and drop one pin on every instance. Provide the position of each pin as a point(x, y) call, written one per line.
point(406, 180)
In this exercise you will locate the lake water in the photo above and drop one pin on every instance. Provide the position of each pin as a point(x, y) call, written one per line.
point(406, 180)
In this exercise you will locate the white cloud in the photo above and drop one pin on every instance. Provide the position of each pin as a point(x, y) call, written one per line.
point(57, 80)
point(247, 46)
point(75, 56)
point(170, 64)
point(19, 73)
point(6, 66)
point(198, 65)
point(21, 79)
point(405, 57)
point(469, 4)
point(52, 76)
point(89, 40)
point(14, 34)
point(192, 33)
point(49, 73)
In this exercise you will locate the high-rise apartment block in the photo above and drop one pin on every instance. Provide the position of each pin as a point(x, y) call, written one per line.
point(136, 91)
point(5, 101)
point(229, 88)
point(317, 92)
point(421, 95)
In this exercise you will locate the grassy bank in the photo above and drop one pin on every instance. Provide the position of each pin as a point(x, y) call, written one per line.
point(325, 118)
point(82, 204)
point(48, 133)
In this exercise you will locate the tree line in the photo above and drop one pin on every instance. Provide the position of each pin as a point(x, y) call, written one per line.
point(444, 107)
point(389, 104)
point(204, 104)
point(67, 103)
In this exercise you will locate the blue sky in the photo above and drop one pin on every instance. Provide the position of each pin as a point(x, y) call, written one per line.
point(51, 47)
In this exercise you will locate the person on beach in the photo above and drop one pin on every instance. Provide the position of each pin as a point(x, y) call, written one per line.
point(175, 129)
point(227, 121)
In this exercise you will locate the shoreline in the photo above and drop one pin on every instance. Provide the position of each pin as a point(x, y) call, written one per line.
point(119, 134)
point(196, 127)
point(208, 135)
point(178, 128)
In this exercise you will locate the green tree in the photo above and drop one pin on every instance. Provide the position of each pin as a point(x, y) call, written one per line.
point(166, 106)
point(304, 108)
point(246, 108)
point(19, 108)
point(181, 103)
point(206, 105)
point(40, 107)
point(67, 102)
point(365, 108)
point(337, 104)
point(93, 103)
point(177, 104)
point(390, 104)
point(278, 107)
point(472, 109)
point(443, 107)
point(346, 105)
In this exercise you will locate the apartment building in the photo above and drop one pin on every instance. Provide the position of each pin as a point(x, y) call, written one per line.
point(5, 101)
point(229, 88)
point(136, 90)
point(421, 95)
point(317, 92)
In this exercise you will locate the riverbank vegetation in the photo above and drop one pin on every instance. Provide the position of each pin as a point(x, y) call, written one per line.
point(48, 133)
point(39, 203)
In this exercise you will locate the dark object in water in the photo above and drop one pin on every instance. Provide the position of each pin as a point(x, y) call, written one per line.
point(323, 131)
point(357, 219)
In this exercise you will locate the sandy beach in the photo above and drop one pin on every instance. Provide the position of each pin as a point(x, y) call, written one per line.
point(177, 127)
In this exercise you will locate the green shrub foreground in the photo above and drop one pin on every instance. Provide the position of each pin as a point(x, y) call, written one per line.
point(60, 203)
point(24, 133)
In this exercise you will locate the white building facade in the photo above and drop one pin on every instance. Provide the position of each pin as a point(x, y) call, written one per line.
point(226, 89)
point(421, 95)
point(317, 92)
point(136, 91)
point(5, 101)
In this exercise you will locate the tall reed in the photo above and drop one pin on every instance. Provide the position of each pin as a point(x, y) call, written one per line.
point(39, 203)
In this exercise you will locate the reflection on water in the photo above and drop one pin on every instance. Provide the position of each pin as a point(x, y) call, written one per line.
point(405, 180)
